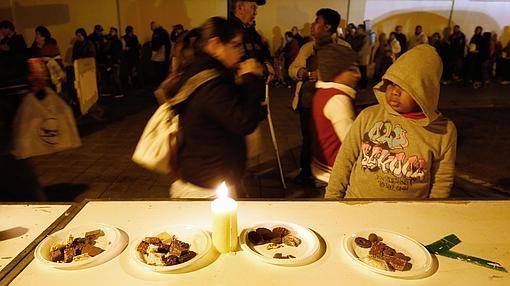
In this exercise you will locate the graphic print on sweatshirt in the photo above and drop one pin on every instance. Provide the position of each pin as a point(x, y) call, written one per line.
point(383, 151)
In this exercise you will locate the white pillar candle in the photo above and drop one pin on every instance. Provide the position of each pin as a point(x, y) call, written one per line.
point(224, 221)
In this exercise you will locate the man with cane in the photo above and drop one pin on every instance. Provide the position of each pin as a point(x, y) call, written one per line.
point(242, 13)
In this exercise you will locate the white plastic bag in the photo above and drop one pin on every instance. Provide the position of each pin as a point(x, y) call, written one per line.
point(43, 126)
point(158, 144)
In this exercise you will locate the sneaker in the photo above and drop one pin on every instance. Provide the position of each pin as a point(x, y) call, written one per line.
point(504, 82)
point(119, 95)
point(105, 94)
point(477, 85)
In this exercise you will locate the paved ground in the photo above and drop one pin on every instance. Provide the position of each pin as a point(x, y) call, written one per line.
point(102, 168)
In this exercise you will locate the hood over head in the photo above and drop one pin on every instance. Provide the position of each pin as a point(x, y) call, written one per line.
point(418, 72)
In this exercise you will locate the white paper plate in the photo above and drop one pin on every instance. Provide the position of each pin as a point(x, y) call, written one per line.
point(420, 257)
point(199, 240)
point(107, 242)
point(305, 253)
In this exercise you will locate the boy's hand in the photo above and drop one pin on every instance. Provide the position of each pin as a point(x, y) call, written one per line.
point(305, 74)
point(312, 76)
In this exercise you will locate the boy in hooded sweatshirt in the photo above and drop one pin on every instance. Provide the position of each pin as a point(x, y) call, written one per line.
point(403, 147)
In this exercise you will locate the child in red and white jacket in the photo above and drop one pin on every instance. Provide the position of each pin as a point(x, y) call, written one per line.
point(332, 107)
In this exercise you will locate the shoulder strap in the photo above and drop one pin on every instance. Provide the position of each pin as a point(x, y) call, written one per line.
point(192, 84)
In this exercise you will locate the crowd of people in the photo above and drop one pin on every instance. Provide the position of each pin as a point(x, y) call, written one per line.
point(401, 148)
point(118, 68)
point(478, 62)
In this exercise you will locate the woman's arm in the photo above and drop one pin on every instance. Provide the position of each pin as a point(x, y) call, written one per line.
point(237, 108)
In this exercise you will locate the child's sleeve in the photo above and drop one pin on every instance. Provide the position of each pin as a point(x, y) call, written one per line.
point(347, 156)
point(340, 111)
point(443, 168)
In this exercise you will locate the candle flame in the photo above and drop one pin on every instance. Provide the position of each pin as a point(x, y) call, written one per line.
point(222, 191)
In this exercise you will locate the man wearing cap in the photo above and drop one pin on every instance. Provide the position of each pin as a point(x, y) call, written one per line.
point(99, 40)
point(242, 14)
point(304, 70)
point(333, 104)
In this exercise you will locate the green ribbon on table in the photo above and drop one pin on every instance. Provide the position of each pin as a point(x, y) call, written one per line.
point(442, 247)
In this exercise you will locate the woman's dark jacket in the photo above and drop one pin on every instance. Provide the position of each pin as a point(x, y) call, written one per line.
point(214, 121)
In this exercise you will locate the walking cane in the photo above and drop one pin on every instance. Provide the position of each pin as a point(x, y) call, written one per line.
point(273, 137)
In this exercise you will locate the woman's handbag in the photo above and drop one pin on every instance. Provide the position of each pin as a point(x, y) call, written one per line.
point(158, 144)
point(157, 148)
point(43, 126)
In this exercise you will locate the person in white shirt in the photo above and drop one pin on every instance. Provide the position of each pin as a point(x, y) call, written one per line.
point(418, 38)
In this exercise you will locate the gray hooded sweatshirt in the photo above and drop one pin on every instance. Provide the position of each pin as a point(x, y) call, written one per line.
point(386, 155)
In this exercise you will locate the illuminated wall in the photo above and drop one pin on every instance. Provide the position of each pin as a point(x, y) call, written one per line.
point(189, 13)
point(63, 16)
point(434, 16)
point(385, 15)
point(494, 16)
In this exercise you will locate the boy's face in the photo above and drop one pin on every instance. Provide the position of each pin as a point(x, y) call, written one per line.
point(400, 100)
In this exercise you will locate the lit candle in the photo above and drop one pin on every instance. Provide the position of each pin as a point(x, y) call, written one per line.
point(224, 221)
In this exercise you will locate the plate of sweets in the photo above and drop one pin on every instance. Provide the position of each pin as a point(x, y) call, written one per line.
point(170, 248)
point(388, 253)
point(78, 246)
point(281, 243)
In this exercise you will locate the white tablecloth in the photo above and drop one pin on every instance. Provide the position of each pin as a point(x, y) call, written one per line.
point(483, 227)
point(21, 224)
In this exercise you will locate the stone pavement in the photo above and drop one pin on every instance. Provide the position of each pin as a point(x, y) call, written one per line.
point(102, 166)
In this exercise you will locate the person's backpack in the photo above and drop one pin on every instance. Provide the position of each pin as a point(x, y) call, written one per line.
point(157, 148)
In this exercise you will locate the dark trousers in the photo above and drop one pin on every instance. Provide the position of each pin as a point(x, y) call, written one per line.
point(363, 81)
point(109, 78)
point(130, 72)
point(160, 71)
point(503, 69)
point(305, 117)
point(458, 66)
point(18, 181)
point(473, 67)
point(487, 69)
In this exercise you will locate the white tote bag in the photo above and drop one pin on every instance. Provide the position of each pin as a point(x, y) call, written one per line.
point(158, 144)
point(43, 126)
